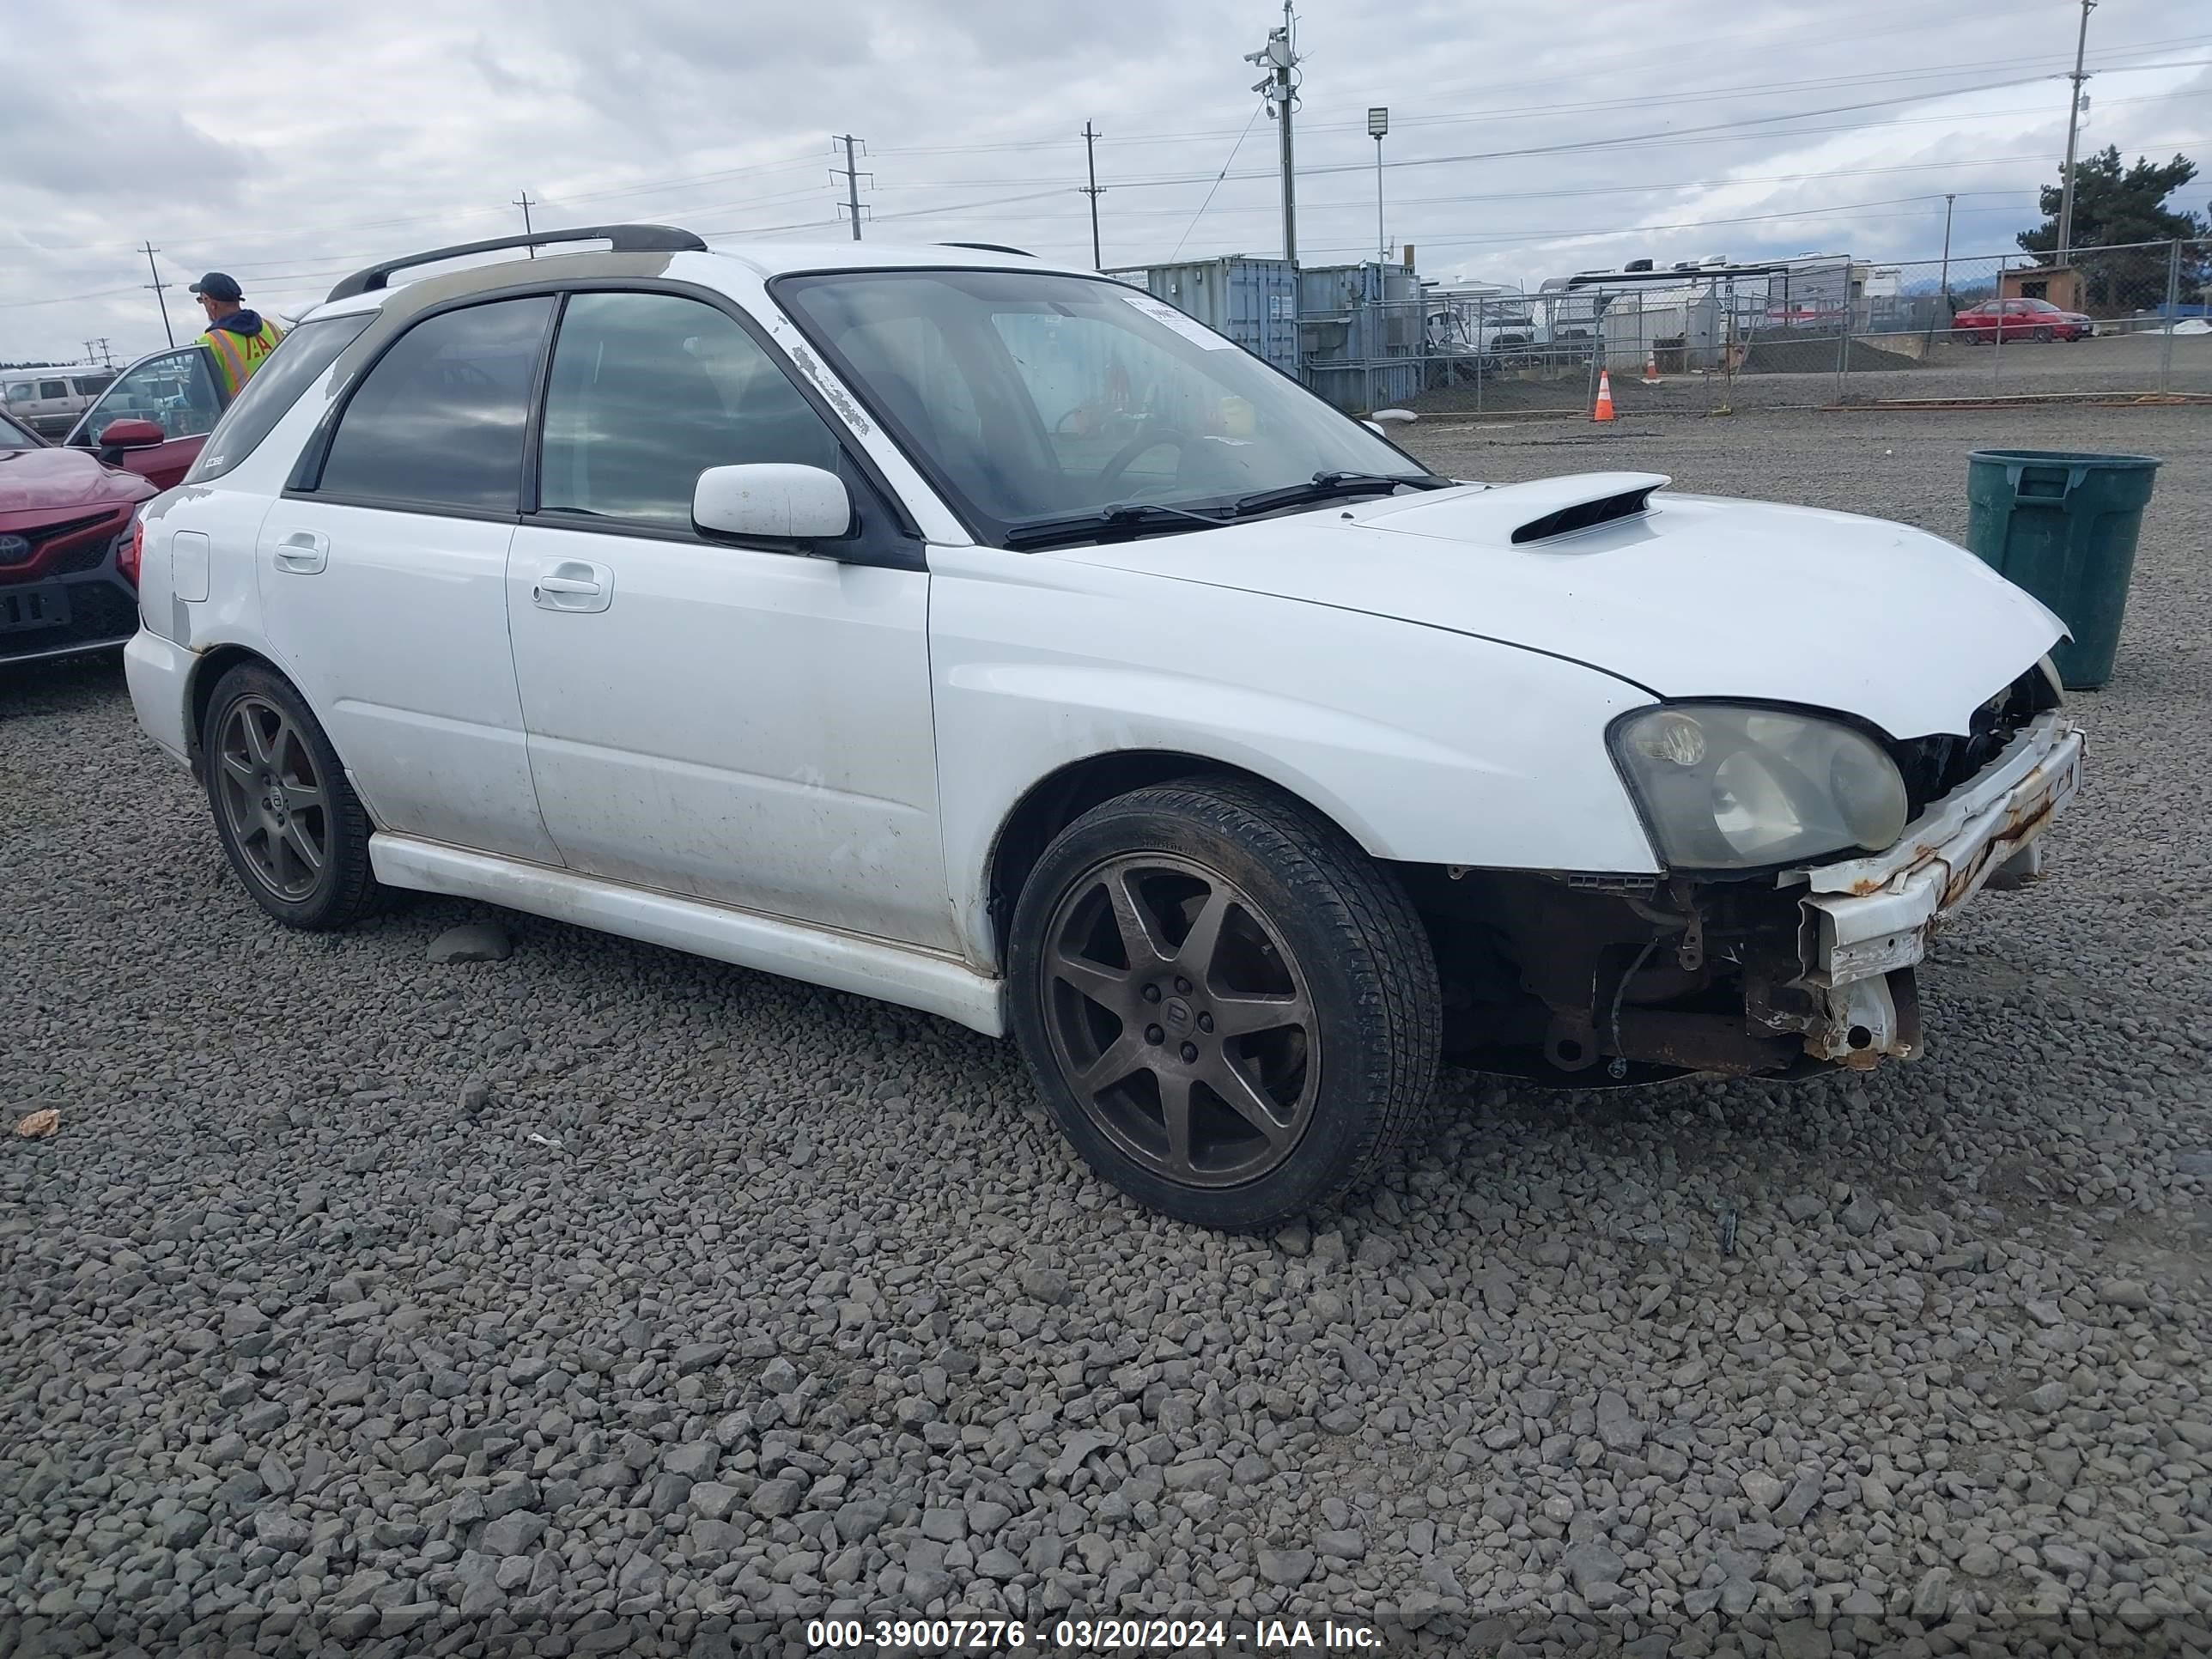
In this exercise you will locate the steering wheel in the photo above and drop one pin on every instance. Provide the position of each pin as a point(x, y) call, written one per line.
point(1111, 474)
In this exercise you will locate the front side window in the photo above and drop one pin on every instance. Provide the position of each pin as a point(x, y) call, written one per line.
point(299, 361)
point(442, 419)
point(175, 390)
point(22, 392)
point(646, 391)
point(13, 437)
point(1030, 397)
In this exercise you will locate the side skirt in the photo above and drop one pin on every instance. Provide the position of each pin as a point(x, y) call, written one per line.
point(934, 983)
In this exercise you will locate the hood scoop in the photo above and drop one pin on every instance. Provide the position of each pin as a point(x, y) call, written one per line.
point(1519, 515)
point(1584, 515)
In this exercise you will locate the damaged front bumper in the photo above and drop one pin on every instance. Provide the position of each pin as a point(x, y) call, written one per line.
point(1864, 923)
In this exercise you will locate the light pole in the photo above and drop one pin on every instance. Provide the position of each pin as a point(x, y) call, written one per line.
point(1378, 122)
point(1279, 58)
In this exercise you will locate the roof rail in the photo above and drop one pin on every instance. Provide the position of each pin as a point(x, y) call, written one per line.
point(626, 239)
point(992, 247)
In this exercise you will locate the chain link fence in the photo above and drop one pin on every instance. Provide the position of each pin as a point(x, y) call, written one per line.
point(2113, 322)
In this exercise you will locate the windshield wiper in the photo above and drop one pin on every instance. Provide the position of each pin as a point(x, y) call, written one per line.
point(1109, 523)
point(1327, 486)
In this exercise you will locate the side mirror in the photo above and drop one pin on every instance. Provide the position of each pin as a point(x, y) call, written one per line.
point(132, 434)
point(773, 501)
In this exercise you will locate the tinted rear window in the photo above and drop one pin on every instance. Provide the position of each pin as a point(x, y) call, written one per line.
point(297, 363)
point(442, 419)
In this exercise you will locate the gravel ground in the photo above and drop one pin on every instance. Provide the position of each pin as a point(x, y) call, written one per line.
point(2121, 365)
point(597, 1299)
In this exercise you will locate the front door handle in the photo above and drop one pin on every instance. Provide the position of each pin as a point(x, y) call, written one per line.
point(573, 585)
point(304, 552)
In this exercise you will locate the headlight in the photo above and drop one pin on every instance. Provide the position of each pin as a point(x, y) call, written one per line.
point(1727, 787)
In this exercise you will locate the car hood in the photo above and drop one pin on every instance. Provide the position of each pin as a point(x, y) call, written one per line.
point(1692, 596)
point(62, 480)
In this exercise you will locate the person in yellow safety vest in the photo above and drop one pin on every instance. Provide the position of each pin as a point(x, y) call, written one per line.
point(239, 340)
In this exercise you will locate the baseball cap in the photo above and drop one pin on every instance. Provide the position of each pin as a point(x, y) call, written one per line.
point(216, 286)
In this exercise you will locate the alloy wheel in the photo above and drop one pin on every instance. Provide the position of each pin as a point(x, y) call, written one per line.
point(1179, 1019)
point(273, 799)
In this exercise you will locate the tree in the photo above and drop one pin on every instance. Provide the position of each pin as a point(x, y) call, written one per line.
point(2114, 207)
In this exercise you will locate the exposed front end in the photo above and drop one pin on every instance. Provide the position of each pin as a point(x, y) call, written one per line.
point(1591, 978)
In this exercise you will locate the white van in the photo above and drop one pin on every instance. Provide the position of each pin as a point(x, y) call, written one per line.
point(49, 400)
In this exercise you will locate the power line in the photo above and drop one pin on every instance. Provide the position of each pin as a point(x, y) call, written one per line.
point(1219, 177)
point(1602, 189)
point(1678, 95)
point(1714, 132)
point(2103, 54)
point(1712, 93)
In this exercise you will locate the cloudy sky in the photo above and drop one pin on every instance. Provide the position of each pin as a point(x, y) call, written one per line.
point(289, 141)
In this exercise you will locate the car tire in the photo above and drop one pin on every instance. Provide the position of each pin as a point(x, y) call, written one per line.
point(1231, 1011)
point(289, 822)
point(2043, 336)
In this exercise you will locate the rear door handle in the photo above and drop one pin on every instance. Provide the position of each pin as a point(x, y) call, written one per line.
point(573, 585)
point(304, 552)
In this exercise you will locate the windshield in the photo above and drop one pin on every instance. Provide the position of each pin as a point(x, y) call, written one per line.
point(1027, 397)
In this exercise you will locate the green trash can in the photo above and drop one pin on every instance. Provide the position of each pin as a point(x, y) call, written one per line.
point(2063, 524)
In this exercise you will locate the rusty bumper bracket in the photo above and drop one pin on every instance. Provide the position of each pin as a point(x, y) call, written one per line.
point(1865, 922)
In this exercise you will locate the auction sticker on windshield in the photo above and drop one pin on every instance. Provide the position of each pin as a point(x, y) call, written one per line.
point(1189, 328)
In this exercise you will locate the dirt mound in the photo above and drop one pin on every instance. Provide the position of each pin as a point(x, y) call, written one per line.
point(1818, 356)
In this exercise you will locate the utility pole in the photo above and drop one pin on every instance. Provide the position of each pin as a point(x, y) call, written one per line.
point(852, 181)
point(157, 285)
point(524, 202)
point(1944, 282)
point(2073, 125)
point(1378, 122)
point(1280, 58)
point(1091, 189)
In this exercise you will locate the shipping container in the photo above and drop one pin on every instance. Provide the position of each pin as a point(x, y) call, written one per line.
point(1361, 333)
point(1253, 302)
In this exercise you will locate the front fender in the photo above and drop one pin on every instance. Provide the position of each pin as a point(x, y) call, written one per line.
point(1424, 745)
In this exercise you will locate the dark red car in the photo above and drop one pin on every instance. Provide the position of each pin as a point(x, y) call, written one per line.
point(69, 553)
point(155, 415)
point(2020, 319)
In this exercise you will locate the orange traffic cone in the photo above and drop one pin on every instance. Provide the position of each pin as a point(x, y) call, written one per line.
point(1604, 409)
point(1652, 369)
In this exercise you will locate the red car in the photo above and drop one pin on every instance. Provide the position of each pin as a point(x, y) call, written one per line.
point(68, 549)
point(153, 420)
point(2020, 319)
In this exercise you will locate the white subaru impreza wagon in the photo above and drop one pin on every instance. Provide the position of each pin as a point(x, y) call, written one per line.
point(942, 625)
